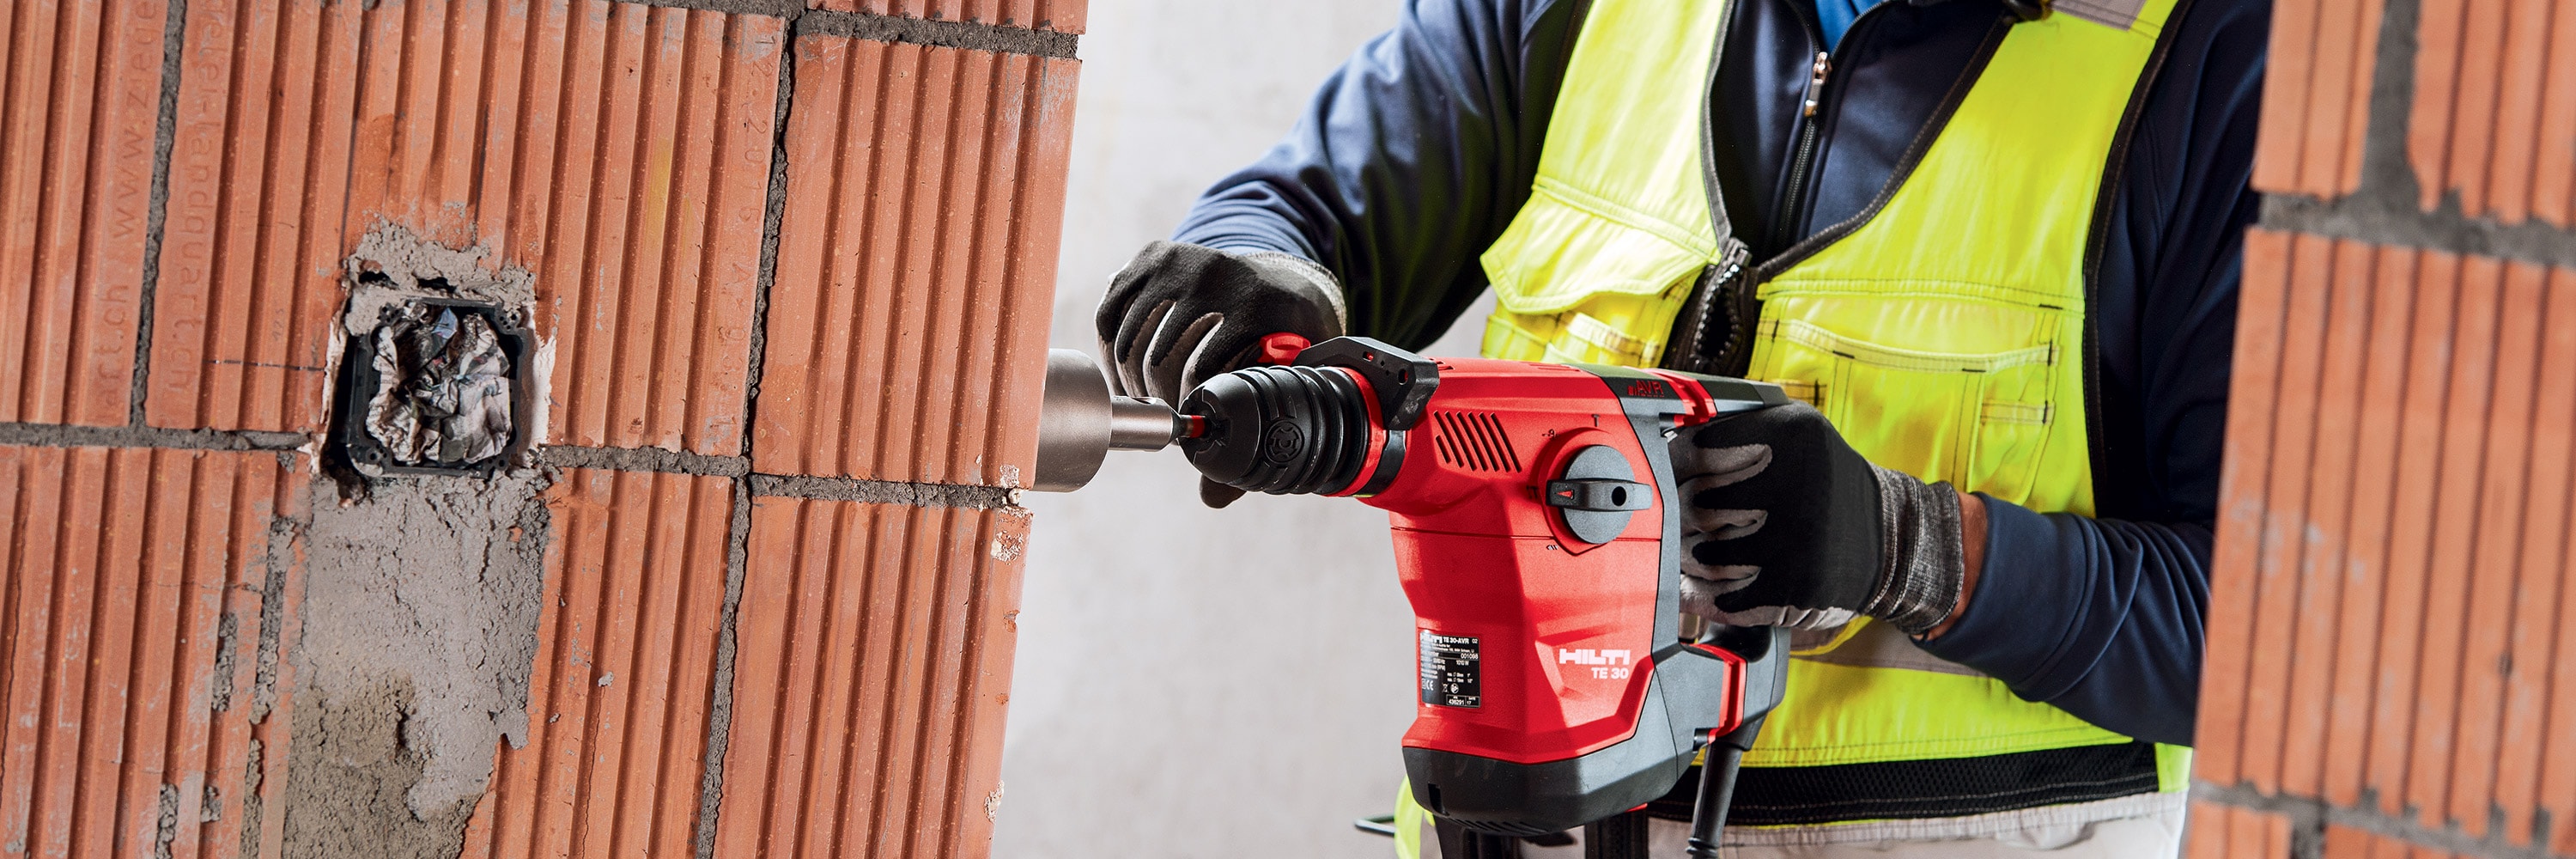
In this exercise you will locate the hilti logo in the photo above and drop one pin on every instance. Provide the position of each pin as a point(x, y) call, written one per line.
point(1589, 656)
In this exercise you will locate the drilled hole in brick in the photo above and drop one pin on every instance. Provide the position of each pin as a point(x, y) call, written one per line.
point(437, 371)
point(434, 388)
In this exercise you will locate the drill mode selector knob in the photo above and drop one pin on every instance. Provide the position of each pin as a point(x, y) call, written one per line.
point(1596, 493)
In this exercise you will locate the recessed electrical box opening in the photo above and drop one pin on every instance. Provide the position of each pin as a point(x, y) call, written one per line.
point(435, 388)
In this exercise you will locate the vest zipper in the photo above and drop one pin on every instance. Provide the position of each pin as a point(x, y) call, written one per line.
point(1802, 159)
point(1742, 307)
point(1719, 286)
point(1816, 85)
point(1792, 205)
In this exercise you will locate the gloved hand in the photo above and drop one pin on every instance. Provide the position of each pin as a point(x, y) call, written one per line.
point(1785, 525)
point(1179, 314)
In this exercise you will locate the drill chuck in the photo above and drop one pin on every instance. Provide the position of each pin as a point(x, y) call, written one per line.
point(1310, 428)
point(1284, 430)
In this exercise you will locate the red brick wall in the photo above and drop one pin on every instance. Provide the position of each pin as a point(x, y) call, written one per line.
point(791, 274)
point(2391, 670)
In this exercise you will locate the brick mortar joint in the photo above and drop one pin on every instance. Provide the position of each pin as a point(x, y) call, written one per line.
point(873, 26)
point(636, 459)
point(2310, 816)
point(2386, 209)
point(762, 484)
point(2388, 223)
point(165, 134)
point(719, 742)
point(929, 32)
point(958, 495)
point(650, 459)
point(711, 782)
point(78, 435)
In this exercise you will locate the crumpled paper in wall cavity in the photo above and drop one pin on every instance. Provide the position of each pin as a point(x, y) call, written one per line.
point(443, 398)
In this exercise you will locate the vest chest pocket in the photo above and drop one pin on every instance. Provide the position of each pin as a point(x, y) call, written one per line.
point(1590, 276)
point(1911, 392)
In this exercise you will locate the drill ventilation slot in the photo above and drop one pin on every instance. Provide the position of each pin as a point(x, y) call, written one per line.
point(1474, 440)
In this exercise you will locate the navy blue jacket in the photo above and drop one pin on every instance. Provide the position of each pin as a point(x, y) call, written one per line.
point(1414, 156)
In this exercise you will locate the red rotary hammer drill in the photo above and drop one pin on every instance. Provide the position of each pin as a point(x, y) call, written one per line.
point(1537, 535)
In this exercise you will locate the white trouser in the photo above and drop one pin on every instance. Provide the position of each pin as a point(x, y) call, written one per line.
point(2155, 834)
point(2158, 836)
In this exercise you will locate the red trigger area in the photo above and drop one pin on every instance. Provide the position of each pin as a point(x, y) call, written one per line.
point(1282, 347)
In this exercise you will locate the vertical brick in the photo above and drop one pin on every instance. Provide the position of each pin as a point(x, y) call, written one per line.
point(592, 321)
point(2543, 563)
point(2205, 837)
point(249, 261)
point(626, 647)
point(2491, 582)
point(2286, 523)
point(2429, 132)
point(2402, 619)
point(651, 298)
point(133, 581)
point(2365, 561)
point(2290, 79)
point(908, 317)
point(2349, 843)
point(2519, 83)
point(79, 106)
point(2553, 194)
point(2323, 533)
point(1066, 15)
point(2338, 101)
point(2558, 758)
point(984, 690)
point(2494, 119)
point(2219, 831)
point(893, 753)
point(2369, 15)
point(618, 152)
point(2316, 97)
point(2454, 539)
point(2237, 547)
point(2258, 835)
point(2473, 104)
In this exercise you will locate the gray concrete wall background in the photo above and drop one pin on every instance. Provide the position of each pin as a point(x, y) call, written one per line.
point(1198, 683)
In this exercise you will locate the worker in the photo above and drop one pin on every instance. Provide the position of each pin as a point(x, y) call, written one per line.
point(1992, 245)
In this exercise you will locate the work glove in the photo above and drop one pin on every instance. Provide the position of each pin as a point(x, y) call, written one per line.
point(1179, 314)
point(1785, 525)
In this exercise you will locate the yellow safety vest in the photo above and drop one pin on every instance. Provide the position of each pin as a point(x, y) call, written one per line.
point(1944, 336)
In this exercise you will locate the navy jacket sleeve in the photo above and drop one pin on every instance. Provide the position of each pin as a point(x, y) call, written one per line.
point(1410, 160)
point(2103, 616)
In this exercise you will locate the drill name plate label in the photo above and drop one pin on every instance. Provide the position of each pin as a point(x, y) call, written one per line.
point(1452, 671)
point(1604, 664)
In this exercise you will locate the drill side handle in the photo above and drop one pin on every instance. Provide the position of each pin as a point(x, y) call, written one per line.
point(1766, 661)
point(1717, 788)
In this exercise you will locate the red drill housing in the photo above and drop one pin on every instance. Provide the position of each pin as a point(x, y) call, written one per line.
point(1536, 535)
